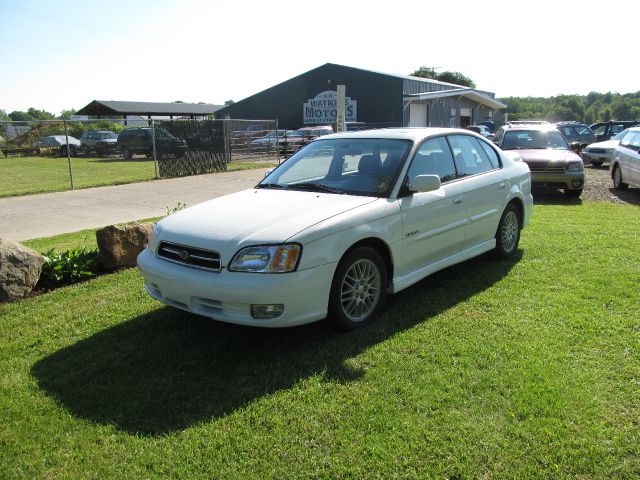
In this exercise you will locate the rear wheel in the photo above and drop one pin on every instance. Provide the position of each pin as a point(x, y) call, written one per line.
point(358, 289)
point(618, 184)
point(508, 234)
point(126, 153)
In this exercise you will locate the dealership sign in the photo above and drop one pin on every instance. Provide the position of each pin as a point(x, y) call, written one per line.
point(322, 108)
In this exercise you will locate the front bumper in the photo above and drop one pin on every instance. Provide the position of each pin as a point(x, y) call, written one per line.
point(228, 296)
point(596, 157)
point(568, 180)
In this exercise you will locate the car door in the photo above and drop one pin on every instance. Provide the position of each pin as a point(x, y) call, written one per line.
point(433, 223)
point(485, 186)
point(629, 150)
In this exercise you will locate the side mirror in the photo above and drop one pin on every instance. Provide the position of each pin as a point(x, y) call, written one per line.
point(424, 183)
point(576, 147)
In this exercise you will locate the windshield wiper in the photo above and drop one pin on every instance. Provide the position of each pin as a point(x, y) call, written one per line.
point(276, 186)
point(316, 187)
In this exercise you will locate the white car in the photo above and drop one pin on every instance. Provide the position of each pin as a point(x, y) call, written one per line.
point(625, 167)
point(601, 152)
point(337, 226)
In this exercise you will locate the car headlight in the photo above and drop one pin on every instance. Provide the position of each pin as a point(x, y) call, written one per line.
point(575, 167)
point(267, 258)
point(153, 238)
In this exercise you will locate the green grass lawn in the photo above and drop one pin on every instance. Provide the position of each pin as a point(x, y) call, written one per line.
point(528, 368)
point(27, 175)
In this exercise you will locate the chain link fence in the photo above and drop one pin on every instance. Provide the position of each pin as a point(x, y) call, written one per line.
point(57, 155)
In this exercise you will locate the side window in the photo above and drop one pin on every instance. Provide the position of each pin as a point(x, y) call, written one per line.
point(498, 137)
point(469, 157)
point(433, 158)
point(491, 154)
point(616, 128)
point(631, 140)
point(600, 130)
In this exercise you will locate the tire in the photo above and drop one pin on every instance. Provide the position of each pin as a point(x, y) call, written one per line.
point(73, 151)
point(618, 184)
point(596, 163)
point(572, 193)
point(508, 233)
point(126, 153)
point(358, 289)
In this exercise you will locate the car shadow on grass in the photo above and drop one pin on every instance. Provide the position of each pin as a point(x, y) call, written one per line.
point(167, 370)
point(554, 197)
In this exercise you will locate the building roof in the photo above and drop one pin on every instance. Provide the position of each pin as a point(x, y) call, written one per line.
point(470, 93)
point(114, 107)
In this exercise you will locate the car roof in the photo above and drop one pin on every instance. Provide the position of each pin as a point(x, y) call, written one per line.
point(544, 127)
point(407, 133)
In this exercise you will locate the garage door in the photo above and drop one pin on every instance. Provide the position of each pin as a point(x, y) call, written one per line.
point(417, 115)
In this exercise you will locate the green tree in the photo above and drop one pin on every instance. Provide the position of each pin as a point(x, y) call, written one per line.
point(3, 115)
point(424, 72)
point(19, 116)
point(67, 114)
point(229, 102)
point(40, 114)
point(457, 78)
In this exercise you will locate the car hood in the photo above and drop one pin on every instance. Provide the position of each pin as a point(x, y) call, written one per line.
point(606, 144)
point(252, 217)
point(548, 155)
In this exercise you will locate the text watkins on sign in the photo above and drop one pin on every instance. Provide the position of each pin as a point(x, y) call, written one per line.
point(322, 108)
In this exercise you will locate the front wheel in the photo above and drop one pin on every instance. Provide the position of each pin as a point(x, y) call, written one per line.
point(358, 289)
point(618, 184)
point(126, 153)
point(508, 234)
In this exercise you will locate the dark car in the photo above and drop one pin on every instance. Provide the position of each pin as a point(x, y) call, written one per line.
point(605, 130)
point(98, 142)
point(134, 141)
point(576, 132)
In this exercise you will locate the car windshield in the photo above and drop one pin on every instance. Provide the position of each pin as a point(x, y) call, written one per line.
point(363, 166)
point(620, 135)
point(534, 139)
point(107, 135)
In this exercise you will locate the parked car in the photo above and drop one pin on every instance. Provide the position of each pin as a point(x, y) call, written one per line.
point(311, 133)
point(552, 162)
point(134, 141)
point(481, 129)
point(267, 141)
point(576, 132)
point(601, 152)
point(98, 142)
point(625, 167)
point(605, 130)
point(58, 143)
point(341, 223)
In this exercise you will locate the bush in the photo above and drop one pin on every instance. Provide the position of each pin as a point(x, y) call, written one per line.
point(70, 266)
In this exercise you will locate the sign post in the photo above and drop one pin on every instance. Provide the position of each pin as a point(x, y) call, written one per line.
point(340, 101)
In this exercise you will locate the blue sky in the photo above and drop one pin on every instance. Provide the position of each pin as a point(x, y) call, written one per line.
point(60, 55)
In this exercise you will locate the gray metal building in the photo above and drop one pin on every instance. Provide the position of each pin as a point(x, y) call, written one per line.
point(373, 99)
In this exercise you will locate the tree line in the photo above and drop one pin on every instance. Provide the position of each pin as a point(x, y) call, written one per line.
point(591, 108)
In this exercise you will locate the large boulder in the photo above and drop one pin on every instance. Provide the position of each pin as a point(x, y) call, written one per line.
point(120, 245)
point(20, 269)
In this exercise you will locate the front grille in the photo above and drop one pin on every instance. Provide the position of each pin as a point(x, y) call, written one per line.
point(546, 167)
point(190, 256)
point(597, 150)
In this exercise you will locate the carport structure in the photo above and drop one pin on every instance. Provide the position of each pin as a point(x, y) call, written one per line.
point(116, 108)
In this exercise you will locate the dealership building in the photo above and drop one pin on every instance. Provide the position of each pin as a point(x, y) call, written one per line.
point(372, 99)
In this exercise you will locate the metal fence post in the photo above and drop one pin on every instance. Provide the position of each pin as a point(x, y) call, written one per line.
point(227, 144)
point(153, 144)
point(66, 137)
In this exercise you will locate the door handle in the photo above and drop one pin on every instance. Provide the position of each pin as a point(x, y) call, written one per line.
point(502, 186)
point(457, 201)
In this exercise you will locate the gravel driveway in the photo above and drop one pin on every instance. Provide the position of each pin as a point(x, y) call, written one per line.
point(597, 186)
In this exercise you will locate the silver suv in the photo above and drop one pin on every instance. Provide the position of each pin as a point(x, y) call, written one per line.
point(551, 161)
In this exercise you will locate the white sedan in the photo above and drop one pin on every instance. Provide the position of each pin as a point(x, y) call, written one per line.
point(345, 221)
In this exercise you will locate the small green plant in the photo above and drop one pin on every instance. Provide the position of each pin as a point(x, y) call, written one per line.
point(179, 206)
point(70, 266)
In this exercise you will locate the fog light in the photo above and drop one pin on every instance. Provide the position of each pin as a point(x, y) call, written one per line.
point(576, 183)
point(269, 310)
